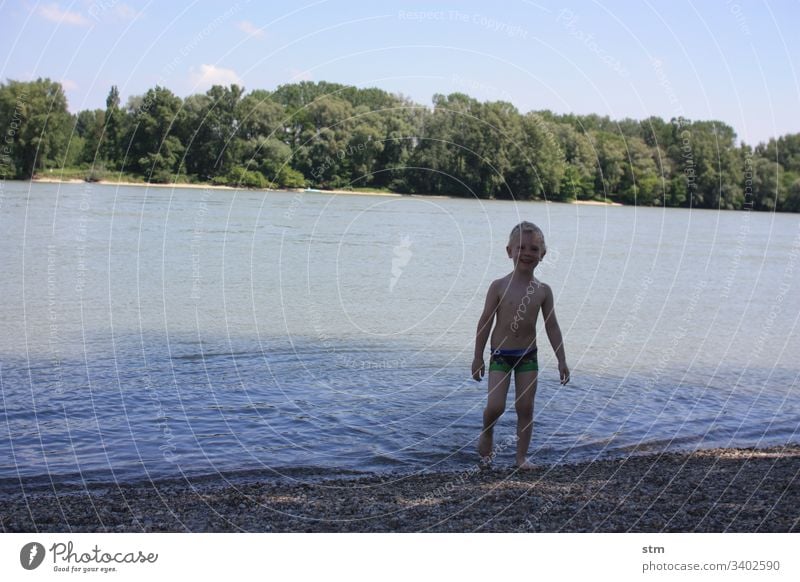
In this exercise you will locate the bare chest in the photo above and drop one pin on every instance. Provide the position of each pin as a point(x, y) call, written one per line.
point(524, 302)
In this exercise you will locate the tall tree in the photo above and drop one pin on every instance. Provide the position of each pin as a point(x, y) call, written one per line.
point(539, 160)
point(154, 149)
point(90, 127)
point(211, 147)
point(402, 127)
point(611, 162)
point(322, 155)
point(110, 146)
point(640, 180)
point(36, 126)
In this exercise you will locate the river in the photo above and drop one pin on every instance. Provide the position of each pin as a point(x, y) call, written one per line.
point(155, 332)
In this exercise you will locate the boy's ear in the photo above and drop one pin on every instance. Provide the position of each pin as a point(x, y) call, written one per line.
point(508, 250)
point(544, 252)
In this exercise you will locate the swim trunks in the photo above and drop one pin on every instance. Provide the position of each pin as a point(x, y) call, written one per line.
point(523, 360)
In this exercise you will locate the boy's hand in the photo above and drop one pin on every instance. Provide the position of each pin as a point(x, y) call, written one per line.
point(563, 372)
point(478, 369)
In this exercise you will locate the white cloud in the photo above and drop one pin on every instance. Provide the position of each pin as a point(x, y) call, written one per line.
point(54, 13)
point(125, 12)
point(108, 9)
point(68, 84)
point(249, 28)
point(209, 75)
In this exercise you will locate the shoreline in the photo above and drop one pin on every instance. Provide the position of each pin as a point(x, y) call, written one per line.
point(187, 185)
point(595, 203)
point(741, 490)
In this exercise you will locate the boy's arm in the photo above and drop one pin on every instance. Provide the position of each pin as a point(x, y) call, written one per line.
point(484, 329)
point(554, 333)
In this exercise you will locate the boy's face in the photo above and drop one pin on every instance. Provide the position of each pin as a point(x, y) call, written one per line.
point(526, 250)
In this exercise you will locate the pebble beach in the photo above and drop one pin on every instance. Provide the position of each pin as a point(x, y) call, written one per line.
point(720, 490)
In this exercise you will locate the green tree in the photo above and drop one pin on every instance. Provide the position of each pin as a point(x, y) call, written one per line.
point(578, 180)
point(402, 127)
point(154, 150)
point(765, 179)
point(785, 150)
point(540, 164)
point(76, 147)
point(90, 127)
point(322, 155)
point(211, 146)
point(611, 163)
point(365, 145)
point(451, 151)
point(640, 181)
point(706, 154)
point(499, 141)
point(35, 126)
point(792, 202)
point(259, 116)
point(110, 145)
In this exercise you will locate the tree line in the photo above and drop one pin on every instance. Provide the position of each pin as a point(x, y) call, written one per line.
point(326, 135)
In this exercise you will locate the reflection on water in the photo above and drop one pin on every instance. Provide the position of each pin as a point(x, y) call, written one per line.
point(152, 332)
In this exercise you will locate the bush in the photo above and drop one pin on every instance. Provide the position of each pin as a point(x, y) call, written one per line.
point(291, 178)
point(7, 167)
point(162, 177)
point(96, 173)
point(242, 177)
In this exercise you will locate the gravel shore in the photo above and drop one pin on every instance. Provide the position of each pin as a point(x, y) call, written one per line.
point(723, 490)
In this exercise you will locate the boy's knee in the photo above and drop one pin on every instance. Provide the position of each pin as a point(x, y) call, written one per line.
point(524, 411)
point(495, 411)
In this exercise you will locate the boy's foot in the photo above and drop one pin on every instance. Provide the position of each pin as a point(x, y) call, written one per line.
point(485, 446)
point(525, 466)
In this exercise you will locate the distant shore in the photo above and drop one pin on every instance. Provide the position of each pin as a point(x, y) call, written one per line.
point(295, 190)
point(596, 203)
point(721, 490)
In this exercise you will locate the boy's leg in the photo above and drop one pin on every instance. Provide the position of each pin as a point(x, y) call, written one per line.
point(525, 390)
point(498, 391)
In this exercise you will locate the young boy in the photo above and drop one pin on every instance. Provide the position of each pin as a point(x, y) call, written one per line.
point(513, 305)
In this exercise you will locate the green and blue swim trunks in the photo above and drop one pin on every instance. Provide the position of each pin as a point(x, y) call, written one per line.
point(505, 361)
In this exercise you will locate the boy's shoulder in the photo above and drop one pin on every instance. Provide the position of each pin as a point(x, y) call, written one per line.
point(502, 280)
point(500, 284)
point(541, 284)
point(544, 287)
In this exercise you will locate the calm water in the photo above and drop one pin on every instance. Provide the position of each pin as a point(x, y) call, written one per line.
point(154, 332)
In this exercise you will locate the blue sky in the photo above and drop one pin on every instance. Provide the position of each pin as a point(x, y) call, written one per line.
point(734, 61)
